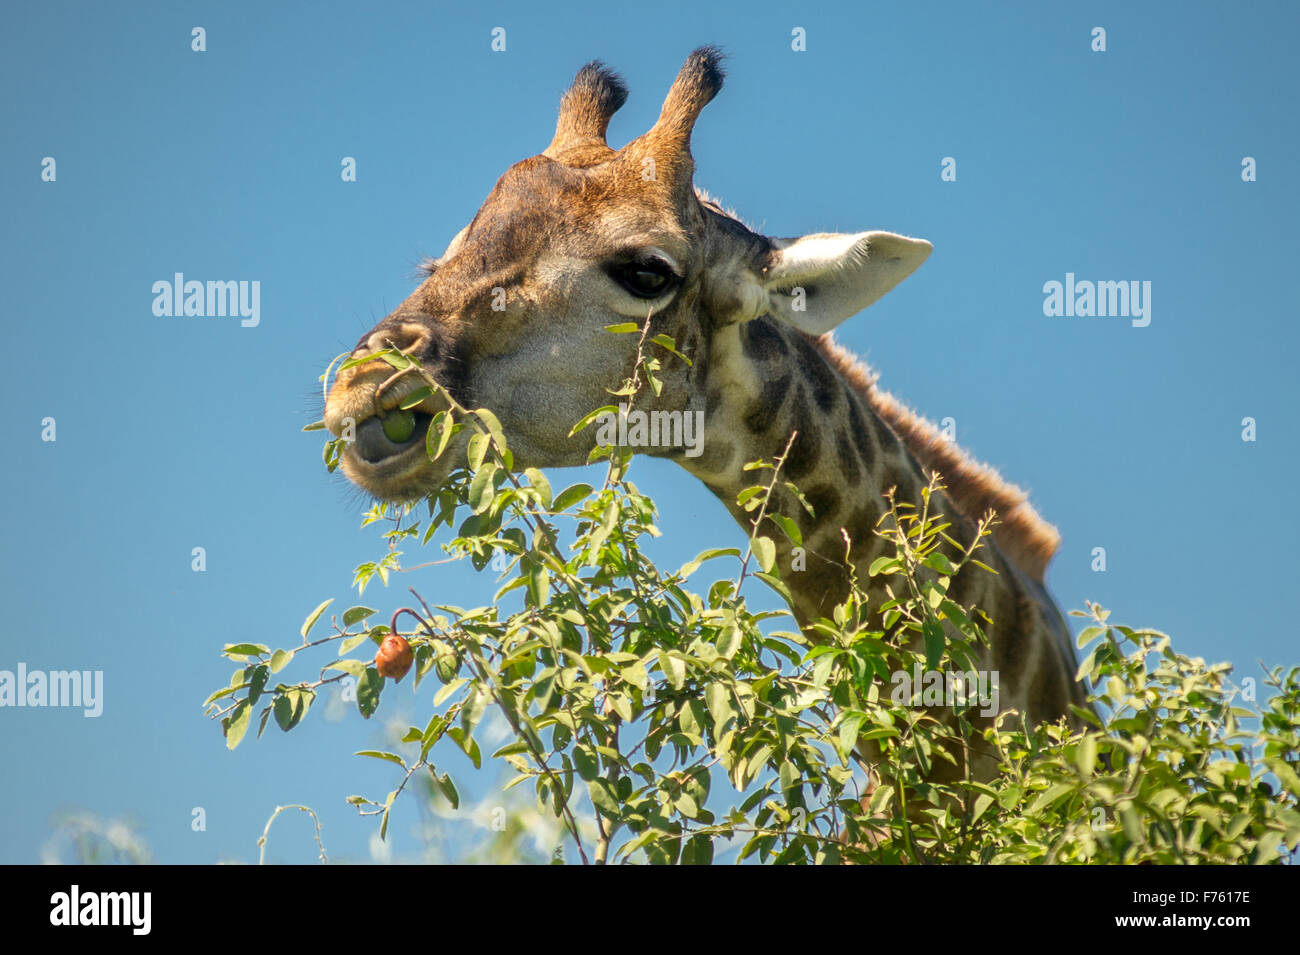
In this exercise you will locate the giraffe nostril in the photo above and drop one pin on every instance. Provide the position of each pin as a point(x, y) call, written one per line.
point(410, 337)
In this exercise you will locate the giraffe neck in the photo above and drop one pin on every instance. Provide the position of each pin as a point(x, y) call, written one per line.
point(761, 382)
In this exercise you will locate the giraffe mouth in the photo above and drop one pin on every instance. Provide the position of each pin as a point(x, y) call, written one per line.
point(386, 455)
point(381, 437)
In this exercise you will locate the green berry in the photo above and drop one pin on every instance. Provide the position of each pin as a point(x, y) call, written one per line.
point(399, 425)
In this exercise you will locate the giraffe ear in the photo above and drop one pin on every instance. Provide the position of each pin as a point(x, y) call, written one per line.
point(817, 281)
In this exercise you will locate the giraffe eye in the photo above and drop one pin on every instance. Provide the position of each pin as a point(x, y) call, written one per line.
point(644, 278)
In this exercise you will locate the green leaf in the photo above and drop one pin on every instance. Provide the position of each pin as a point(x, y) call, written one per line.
point(261, 723)
point(355, 614)
point(938, 562)
point(415, 397)
point(935, 641)
point(674, 668)
point(777, 584)
point(361, 360)
point(448, 789)
point(794, 489)
point(244, 649)
point(432, 733)
point(238, 724)
point(883, 565)
point(313, 617)
point(283, 709)
point(586, 762)
point(315, 426)
point(954, 613)
point(443, 425)
point(291, 706)
point(468, 744)
point(849, 733)
point(1085, 757)
point(489, 421)
point(257, 683)
point(570, 496)
point(537, 480)
point(604, 798)
point(477, 450)
point(622, 328)
point(388, 805)
point(717, 697)
point(481, 488)
point(789, 776)
point(355, 668)
point(698, 850)
point(1049, 797)
point(448, 689)
point(1089, 634)
point(1130, 818)
point(694, 565)
point(1285, 774)
point(635, 674)
point(589, 418)
point(666, 343)
point(377, 754)
point(369, 687)
point(765, 551)
point(789, 528)
point(280, 659)
point(222, 692)
point(822, 668)
point(539, 585)
point(351, 643)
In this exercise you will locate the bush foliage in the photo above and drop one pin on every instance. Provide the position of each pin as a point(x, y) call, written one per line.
point(658, 719)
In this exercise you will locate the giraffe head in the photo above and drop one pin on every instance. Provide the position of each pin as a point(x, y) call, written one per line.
point(513, 315)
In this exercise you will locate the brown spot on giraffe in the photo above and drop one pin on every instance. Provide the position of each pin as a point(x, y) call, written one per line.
point(764, 409)
point(806, 453)
point(825, 385)
point(850, 468)
point(824, 499)
point(585, 235)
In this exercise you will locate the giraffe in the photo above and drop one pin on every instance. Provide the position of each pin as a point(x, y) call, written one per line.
point(513, 315)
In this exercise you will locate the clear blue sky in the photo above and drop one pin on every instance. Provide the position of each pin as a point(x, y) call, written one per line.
point(176, 433)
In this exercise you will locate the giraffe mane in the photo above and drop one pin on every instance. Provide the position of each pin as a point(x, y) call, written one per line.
point(973, 487)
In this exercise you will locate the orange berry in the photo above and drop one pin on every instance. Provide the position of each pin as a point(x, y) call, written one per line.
point(395, 657)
